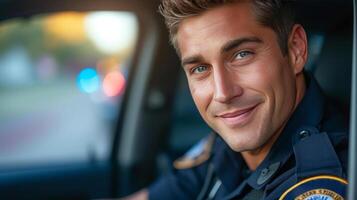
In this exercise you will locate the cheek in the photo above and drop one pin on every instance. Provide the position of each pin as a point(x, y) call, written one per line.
point(201, 94)
point(277, 84)
point(268, 76)
point(259, 78)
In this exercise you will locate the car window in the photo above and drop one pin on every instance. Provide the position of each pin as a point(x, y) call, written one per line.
point(63, 76)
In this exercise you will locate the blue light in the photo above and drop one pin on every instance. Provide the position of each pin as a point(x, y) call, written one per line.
point(88, 80)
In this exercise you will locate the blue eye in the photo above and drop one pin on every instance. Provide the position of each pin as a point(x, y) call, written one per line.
point(242, 54)
point(199, 69)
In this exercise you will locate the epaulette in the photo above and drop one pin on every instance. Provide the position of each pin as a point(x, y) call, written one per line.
point(198, 154)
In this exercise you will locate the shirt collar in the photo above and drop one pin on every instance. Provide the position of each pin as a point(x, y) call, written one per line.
point(228, 164)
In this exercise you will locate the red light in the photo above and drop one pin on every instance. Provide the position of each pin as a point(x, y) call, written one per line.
point(113, 84)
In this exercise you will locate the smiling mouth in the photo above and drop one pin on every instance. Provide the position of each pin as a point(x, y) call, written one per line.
point(237, 118)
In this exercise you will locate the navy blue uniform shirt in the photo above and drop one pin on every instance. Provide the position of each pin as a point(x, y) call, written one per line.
point(314, 142)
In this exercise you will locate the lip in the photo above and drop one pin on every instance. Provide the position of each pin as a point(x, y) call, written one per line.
point(238, 117)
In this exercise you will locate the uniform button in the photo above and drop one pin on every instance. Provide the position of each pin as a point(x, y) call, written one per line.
point(265, 171)
point(303, 134)
point(268, 172)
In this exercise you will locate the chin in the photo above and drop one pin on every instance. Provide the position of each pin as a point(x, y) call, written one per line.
point(241, 144)
point(244, 147)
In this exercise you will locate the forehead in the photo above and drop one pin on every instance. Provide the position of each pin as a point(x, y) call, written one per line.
point(236, 10)
point(217, 25)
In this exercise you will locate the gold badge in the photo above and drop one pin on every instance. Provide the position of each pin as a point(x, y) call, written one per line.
point(317, 188)
point(319, 194)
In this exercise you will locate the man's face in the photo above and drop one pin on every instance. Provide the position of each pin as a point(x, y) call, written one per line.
point(242, 84)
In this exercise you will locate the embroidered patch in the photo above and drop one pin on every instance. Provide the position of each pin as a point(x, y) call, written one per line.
point(197, 154)
point(317, 188)
point(320, 194)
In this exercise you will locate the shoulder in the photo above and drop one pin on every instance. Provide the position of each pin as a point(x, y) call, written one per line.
point(198, 154)
point(335, 124)
point(186, 180)
point(340, 142)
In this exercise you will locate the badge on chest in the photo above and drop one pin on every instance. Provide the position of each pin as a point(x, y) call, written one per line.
point(317, 188)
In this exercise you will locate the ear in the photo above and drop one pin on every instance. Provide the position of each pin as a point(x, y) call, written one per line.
point(297, 47)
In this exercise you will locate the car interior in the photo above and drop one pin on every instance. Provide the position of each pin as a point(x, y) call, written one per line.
point(79, 120)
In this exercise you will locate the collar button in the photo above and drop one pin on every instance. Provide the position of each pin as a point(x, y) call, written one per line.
point(267, 172)
point(304, 134)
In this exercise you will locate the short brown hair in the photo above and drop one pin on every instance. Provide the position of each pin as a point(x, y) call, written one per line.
point(275, 14)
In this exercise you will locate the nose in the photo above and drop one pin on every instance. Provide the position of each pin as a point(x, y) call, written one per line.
point(226, 85)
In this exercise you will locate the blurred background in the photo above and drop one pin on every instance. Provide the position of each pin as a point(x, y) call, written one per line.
point(63, 76)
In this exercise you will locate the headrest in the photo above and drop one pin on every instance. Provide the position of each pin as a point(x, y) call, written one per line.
point(333, 66)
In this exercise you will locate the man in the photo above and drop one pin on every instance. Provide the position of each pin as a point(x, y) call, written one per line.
point(276, 136)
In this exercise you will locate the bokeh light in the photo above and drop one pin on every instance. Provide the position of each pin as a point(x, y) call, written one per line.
point(112, 32)
point(68, 26)
point(88, 80)
point(113, 84)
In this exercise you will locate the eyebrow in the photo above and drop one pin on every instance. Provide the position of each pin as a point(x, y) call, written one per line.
point(191, 60)
point(232, 44)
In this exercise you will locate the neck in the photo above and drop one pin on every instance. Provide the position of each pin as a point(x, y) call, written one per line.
point(255, 157)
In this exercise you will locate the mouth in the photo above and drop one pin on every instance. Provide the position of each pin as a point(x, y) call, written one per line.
point(238, 118)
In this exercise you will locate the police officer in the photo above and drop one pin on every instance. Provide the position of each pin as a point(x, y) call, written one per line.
point(275, 135)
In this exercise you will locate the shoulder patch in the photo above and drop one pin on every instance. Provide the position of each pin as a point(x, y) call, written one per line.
point(317, 188)
point(198, 154)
